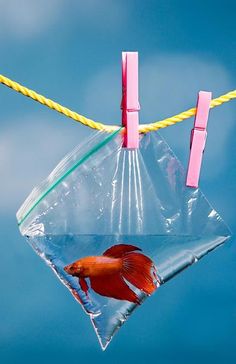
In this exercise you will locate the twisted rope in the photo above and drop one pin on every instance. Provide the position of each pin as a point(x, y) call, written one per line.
point(144, 128)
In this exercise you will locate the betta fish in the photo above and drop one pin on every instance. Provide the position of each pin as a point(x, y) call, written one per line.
point(115, 272)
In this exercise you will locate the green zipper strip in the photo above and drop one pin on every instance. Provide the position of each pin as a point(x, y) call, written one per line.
point(67, 173)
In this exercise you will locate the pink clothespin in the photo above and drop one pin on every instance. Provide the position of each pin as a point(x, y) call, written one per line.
point(129, 103)
point(198, 138)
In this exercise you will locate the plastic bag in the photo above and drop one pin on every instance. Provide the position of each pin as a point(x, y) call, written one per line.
point(114, 224)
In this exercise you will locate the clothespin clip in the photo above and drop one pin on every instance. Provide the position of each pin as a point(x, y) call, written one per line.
point(129, 103)
point(198, 138)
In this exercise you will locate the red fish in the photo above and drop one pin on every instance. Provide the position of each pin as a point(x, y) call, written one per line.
point(110, 273)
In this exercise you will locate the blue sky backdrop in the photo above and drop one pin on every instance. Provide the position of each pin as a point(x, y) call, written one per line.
point(71, 52)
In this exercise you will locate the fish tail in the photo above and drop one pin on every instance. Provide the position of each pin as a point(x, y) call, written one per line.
point(113, 286)
point(139, 270)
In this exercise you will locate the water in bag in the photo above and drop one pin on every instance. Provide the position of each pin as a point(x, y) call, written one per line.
point(114, 224)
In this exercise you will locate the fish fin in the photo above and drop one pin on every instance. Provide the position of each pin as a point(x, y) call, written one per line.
point(117, 251)
point(113, 286)
point(138, 270)
point(83, 285)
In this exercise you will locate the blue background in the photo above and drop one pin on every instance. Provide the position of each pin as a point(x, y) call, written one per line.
point(71, 51)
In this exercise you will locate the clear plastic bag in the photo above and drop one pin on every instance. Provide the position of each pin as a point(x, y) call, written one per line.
point(114, 224)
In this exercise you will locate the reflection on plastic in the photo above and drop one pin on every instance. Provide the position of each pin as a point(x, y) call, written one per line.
point(119, 204)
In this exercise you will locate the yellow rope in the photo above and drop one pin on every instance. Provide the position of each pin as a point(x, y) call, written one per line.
point(185, 114)
point(55, 106)
point(145, 128)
